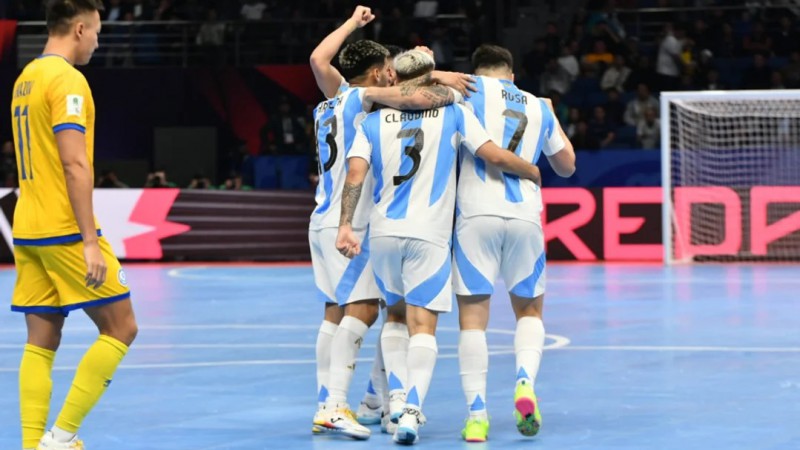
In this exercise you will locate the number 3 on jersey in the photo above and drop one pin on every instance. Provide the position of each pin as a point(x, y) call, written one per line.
point(412, 151)
point(23, 140)
point(330, 139)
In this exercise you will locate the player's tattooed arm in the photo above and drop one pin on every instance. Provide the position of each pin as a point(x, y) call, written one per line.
point(350, 196)
point(411, 97)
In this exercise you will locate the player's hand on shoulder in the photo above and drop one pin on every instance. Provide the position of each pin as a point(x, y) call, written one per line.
point(461, 82)
point(347, 243)
point(95, 264)
point(363, 15)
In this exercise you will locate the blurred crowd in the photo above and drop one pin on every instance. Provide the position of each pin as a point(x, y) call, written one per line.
point(604, 78)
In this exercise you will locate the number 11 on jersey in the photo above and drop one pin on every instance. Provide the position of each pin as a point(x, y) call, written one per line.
point(23, 140)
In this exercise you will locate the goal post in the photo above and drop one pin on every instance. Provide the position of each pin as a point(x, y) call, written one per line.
point(730, 173)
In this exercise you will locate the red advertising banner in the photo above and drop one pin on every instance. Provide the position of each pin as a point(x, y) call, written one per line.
point(611, 224)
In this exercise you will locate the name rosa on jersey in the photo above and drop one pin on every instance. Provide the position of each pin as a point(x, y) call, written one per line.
point(516, 97)
point(410, 116)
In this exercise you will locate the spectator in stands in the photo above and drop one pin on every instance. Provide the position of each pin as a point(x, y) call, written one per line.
point(288, 130)
point(114, 11)
point(108, 179)
point(600, 128)
point(552, 40)
point(253, 10)
point(615, 108)
point(785, 39)
point(554, 78)
point(574, 119)
point(568, 61)
point(791, 72)
point(442, 47)
point(535, 60)
point(599, 54)
point(235, 183)
point(636, 108)
point(757, 41)
point(616, 75)
point(758, 76)
point(701, 34)
point(726, 45)
point(648, 130)
point(200, 181)
point(669, 65)
point(158, 179)
point(212, 32)
point(642, 73)
point(582, 139)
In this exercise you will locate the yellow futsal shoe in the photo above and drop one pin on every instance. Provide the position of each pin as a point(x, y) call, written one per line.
point(526, 409)
point(49, 442)
point(476, 430)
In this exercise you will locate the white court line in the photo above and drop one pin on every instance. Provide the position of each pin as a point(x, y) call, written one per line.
point(225, 346)
point(229, 326)
point(183, 273)
point(688, 348)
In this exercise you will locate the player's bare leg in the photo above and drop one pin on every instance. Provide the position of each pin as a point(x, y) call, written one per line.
point(473, 360)
point(528, 347)
point(422, 352)
point(35, 381)
point(358, 317)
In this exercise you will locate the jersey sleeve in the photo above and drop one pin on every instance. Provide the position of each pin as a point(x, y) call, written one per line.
point(361, 146)
point(68, 97)
point(554, 142)
point(472, 134)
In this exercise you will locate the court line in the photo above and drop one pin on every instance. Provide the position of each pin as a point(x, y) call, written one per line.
point(181, 273)
point(687, 348)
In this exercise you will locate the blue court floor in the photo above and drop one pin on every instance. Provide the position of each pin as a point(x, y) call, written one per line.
point(639, 357)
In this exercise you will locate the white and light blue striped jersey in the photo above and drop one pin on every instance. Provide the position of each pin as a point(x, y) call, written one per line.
point(519, 122)
point(413, 159)
point(335, 123)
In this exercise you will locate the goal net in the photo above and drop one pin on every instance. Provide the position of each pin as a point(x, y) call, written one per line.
point(731, 175)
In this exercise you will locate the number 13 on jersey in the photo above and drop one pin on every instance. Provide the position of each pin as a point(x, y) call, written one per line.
point(23, 130)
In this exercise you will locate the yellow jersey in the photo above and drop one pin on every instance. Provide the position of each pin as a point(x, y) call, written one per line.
point(49, 96)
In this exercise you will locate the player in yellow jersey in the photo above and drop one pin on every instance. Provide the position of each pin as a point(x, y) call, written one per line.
point(61, 257)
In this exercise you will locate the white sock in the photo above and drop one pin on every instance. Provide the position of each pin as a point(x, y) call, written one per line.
point(422, 351)
point(344, 351)
point(377, 390)
point(473, 360)
point(61, 435)
point(394, 344)
point(528, 346)
point(324, 339)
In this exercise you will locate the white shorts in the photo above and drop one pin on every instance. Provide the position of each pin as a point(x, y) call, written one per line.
point(415, 270)
point(339, 279)
point(488, 246)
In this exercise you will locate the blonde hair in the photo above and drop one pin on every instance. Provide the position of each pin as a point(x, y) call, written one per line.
point(413, 64)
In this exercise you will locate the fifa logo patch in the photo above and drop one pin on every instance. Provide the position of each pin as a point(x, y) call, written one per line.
point(122, 278)
point(74, 105)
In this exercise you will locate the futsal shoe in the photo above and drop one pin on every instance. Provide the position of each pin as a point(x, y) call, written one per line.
point(526, 409)
point(397, 401)
point(318, 417)
point(338, 418)
point(387, 426)
point(49, 442)
point(367, 415)
point(476, 430)
point(408, 426)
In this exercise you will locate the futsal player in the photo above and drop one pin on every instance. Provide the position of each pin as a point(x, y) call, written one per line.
point(499, 233)
point(63, 263)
